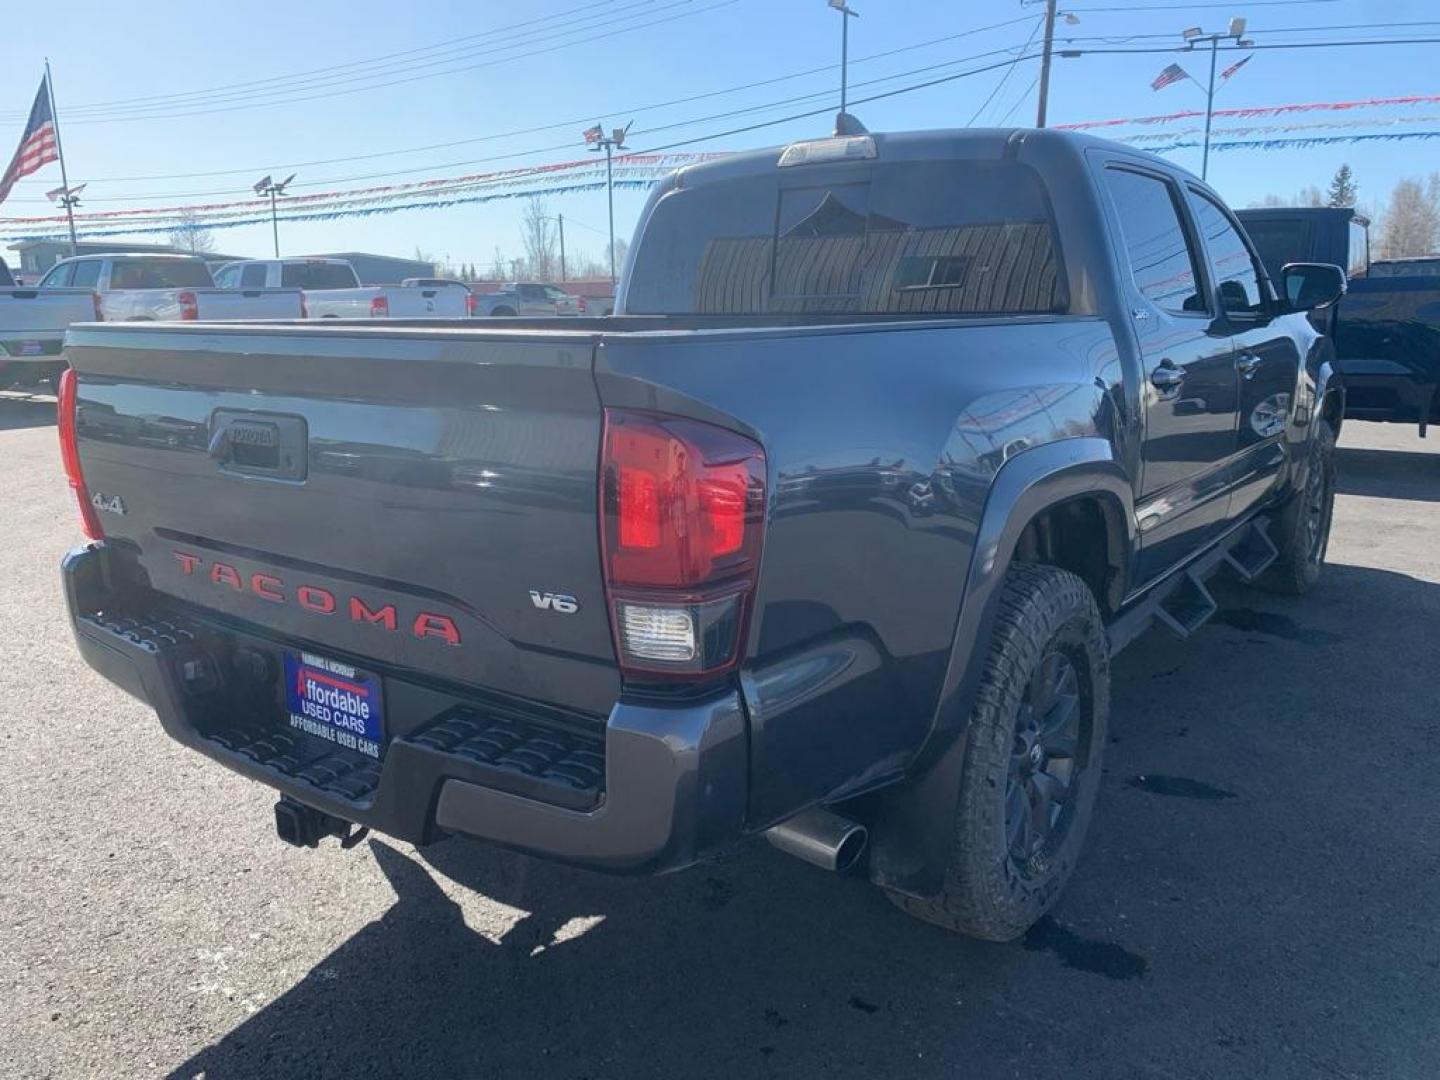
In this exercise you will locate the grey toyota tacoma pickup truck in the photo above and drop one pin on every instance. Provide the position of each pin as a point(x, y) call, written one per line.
point(829, 534)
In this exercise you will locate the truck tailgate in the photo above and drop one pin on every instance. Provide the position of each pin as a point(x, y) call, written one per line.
point(393, 497)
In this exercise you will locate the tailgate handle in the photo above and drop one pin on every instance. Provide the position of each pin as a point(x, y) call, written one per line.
point(271, 445)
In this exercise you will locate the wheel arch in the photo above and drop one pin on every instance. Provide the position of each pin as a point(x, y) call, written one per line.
point(911, 832)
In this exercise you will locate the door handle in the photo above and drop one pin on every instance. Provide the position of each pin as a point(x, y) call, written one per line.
point(1167, 377)
point(1247, 365)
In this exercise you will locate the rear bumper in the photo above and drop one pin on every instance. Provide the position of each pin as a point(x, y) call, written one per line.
point(657, 788)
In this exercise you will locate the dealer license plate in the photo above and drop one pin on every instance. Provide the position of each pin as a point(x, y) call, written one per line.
point(335, 702)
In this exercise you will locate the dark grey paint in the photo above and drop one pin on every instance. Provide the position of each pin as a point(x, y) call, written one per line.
point(904, 460)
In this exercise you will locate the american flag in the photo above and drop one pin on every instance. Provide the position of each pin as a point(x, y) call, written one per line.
point(1172, 74)
point(37, 143)
point(594, 134)
point(1235, 67)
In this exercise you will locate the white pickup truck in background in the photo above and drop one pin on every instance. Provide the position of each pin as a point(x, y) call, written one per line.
point(166, 288)
point(32, 328)
point(333, 290)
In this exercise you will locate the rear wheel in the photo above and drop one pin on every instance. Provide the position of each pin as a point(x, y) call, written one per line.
point(1303, 526)
point(1032, 766)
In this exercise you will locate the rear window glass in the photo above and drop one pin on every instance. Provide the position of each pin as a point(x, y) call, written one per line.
point(5, 276)
point(944, 238)
point(317, 276)
point(1280, 241)
point(159, 274)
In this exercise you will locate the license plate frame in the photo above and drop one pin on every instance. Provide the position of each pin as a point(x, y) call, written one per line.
point(335, 701)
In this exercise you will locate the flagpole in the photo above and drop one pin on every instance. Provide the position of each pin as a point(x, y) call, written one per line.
point(60, 153)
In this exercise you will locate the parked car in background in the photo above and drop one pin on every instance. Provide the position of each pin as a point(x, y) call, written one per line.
point(433, 283)
point(333, 291)
point(166, 288)
point(1415, 266)
point(32, 328)
point(1387, 327)
point(832, 529)
point(529, 299)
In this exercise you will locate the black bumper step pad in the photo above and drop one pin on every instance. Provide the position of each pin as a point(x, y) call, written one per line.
point(513, 744)
point(153, 633)
point(345, 774)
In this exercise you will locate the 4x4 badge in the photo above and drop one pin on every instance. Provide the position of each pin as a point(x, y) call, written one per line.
point(111, 504)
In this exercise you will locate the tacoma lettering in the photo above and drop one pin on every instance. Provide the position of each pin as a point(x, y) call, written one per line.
point(318, 600)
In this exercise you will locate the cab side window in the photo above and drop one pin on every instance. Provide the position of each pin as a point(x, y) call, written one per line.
point(1232, 264)
point(253, 276)
point(225, 279)
point(1162, 259)
point(58, 277)
point(87, 274)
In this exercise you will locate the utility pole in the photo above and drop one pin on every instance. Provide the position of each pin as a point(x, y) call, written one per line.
point(561, 219)
point(598, 140)
point(266, 186)
point(1044, 101)
point(846, 14)
point(69, 198)
point(1195, 36)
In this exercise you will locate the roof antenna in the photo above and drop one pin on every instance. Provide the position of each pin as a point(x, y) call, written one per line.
point(849, 124)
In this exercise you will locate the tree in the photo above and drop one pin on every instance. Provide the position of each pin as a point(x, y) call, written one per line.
point(1412, 219)
point(190, 235)
point(1343, 189)
point(499, 265)
point(540, 239)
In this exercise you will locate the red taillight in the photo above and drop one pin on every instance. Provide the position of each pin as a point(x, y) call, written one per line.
point(472, 305)
point(683, 508)
point(379, 307)
point(189, 306)
point(582, 305)
point(70, 456)
point(99, 307)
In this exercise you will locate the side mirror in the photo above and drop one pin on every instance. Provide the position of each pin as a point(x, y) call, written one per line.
point(1310, 286)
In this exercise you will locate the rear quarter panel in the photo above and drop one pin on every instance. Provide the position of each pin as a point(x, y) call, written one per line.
point(881, 444)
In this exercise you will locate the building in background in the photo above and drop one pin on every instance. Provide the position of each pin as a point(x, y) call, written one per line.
point(380, 269)
point(37, 256)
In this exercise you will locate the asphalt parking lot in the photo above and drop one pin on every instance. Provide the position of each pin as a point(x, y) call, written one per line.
point(1259, 897)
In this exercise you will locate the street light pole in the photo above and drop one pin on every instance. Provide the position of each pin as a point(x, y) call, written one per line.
point(266, 186)
point(598, 141)
point(1209, 106)
point(1193, 37)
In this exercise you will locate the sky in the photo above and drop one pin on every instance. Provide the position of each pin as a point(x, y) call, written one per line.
point(343, 94)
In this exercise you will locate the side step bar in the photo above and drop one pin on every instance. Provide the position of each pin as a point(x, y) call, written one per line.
point(1181, 602)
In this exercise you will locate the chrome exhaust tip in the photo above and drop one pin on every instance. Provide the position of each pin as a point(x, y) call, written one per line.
point(820, 838)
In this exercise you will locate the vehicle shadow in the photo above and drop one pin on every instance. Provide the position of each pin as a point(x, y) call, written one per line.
point(20, 410)
point(1388, 474)
point(1245, 841)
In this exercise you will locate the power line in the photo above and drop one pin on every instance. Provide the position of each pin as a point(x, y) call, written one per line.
point(1258, 46)
point(282, 83)
point(727, 114)
point(627, 111)
point(1000, 84)
point(1197, 7)
point(447, 45)
point(585, 38)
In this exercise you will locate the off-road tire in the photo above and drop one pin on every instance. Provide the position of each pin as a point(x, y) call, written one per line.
point(989, 893)
point(1302, 528)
